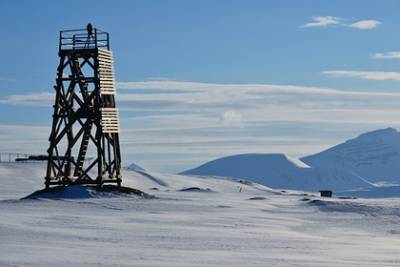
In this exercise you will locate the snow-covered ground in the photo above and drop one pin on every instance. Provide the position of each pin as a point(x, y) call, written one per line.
point(216, 222)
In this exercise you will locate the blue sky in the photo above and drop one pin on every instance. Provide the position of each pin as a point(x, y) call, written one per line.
point(203, 79)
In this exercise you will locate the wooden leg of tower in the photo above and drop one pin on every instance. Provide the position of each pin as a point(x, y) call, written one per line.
point(47, 182)
point(100, 158)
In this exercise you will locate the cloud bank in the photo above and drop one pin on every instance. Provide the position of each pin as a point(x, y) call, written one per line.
point(366, 75)
point(387, 55)
point(174, 125)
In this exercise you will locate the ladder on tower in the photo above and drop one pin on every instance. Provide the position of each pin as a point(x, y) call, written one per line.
point(83, 149)
point(81, 78)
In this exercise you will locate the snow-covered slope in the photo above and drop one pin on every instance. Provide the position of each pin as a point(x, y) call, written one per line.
point(280, 171)
point(375, 156)
point(21, 179)
point(18, 180)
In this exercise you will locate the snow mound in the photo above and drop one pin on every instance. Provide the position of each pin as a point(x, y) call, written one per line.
point(80, 191)
point(374, 156)
point(196, 189)
point(257, 198)
point(280, 171)
point(343, 206)
point(374, 192)
point(365, 207)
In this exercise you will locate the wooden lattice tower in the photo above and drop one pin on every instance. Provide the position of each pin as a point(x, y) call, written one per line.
point(85, 119)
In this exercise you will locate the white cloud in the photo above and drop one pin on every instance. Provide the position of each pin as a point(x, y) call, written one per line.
point(232, 118)
point(367, 75)
point(387, 55)
point(43, 99)
point(365, 24)
point(322, 21)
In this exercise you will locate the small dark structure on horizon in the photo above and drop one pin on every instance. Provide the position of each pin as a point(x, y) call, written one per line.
point(326, 193)
point(85, 119)
point(36, 158)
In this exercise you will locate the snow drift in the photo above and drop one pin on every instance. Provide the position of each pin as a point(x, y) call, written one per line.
point(80, 191)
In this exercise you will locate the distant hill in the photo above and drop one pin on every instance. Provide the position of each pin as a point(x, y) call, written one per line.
point(374, 156)
point(135, 167)
point(280, 171)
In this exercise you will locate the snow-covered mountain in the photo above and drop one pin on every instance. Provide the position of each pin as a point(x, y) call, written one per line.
point(135, 167)
point(375, 156)
point(281, 171)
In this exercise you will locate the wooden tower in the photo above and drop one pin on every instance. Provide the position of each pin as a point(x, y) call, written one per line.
point(84, 140)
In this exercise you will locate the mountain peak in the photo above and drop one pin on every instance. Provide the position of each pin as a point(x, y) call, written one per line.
point(251, 159)
point(374, 156)
point(378, 133)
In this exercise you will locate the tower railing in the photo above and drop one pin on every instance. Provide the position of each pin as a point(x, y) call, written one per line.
point(80, 39)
